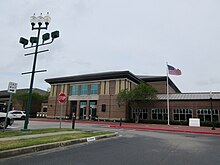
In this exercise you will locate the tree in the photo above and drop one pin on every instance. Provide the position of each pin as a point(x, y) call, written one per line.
point(20, 99)
point(136, 97)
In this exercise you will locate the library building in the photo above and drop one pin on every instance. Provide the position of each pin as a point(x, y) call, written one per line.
point(94, 97)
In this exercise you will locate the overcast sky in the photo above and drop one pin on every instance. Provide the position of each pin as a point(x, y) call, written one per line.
point(115, 35)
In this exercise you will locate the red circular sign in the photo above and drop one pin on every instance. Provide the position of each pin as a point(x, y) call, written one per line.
point(62, 98)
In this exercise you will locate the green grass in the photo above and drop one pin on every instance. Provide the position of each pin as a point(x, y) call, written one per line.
point(34, 131)
point(12, 144)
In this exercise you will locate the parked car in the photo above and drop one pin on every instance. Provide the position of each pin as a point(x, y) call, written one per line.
point(16, 114)
point(9, 120)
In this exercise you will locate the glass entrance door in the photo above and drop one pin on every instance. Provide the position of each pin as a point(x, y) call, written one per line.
point(82, 112)
point(92, 110)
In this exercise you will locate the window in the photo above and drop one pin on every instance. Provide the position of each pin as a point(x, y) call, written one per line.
point(159, 114)
point(75, 89)
point(94, 89)
point(103, 107)
point(206, 114)
point(141, 111)
point(182, 114)
point(84, 90)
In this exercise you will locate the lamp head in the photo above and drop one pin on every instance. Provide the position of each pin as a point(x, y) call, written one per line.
point(47, 19)
point(40, 19)
point(33, 20)
point(55, 34)
point(46, 37)
point(23, 41)
point(33, 40)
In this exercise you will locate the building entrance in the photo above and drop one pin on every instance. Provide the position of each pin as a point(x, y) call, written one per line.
point(73, 108)
point(82, 111)
point(92, 110)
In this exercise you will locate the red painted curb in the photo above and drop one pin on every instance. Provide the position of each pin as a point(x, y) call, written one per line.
point(116, 125)
point(166, 130)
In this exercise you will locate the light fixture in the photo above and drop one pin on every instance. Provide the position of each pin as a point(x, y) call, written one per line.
point(47, 19)
point(23, 41)
point(34, 40)
point(40, 20)
point(55, 34)
point(45, 37)
point(33, 20)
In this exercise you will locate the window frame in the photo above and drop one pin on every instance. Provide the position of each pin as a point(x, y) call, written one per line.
point(94, 88)
point(75, 90)
point(84, 89)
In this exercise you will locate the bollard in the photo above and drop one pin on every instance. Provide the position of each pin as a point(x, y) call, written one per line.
point(120, 121)
point(73, 121)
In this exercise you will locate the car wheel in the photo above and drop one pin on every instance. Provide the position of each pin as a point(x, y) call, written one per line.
point(22, 117)
point(2, 124)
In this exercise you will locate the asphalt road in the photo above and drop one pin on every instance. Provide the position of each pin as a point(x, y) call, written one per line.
point(130, 148)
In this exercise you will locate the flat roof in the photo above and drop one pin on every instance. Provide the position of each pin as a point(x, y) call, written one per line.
point(95, 76)
point(190, 96)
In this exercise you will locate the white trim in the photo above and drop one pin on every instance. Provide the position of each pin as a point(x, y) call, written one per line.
point(84, 97)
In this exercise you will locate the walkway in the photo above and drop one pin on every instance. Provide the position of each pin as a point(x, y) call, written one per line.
point(147, 127)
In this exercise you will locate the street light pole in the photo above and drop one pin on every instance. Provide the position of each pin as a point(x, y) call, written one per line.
point(211, 107)
point(35, 40)
point(31, 83)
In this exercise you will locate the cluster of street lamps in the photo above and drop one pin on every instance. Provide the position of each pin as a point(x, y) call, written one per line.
point(37, 23)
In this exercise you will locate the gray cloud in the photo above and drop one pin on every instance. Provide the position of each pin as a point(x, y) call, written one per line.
point(136, 35)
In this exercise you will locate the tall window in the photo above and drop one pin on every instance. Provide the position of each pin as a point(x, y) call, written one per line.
point(84, 89)
point(94, 89)
point(75, 89)
point(206, 114)
point(159, 114)
point(182, 114)
point(103, 107)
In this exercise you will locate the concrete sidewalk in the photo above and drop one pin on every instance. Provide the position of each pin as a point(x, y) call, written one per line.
point(37, 135)
point(146, 127)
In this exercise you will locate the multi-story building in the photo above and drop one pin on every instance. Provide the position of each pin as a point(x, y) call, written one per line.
point(92, 96)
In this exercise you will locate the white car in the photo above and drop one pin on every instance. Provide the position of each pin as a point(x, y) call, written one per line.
point(15, 114)
point(9, 120)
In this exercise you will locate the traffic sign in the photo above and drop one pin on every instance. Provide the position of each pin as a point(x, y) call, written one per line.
point(12, 87)
point(62, 98)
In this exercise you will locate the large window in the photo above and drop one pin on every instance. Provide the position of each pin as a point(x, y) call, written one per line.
point(142, 112)
point(75, 89)
point(84, 89)
point(94, 89)
point(182, 114)
point(159, 114)
point(206, 114)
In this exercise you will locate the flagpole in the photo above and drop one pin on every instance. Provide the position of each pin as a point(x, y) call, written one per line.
point(168, 106)
point(170, 71)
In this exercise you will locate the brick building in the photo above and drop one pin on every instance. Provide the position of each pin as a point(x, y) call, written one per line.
point(92, 96)
point(35, 105)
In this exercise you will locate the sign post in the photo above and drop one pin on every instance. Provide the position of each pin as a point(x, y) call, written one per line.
point(61, 99)
point(12, 87)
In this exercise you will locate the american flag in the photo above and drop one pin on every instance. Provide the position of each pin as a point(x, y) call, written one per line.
point(173, 71)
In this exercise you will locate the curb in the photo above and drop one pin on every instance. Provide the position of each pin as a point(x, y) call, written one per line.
point(166, 130)
point(36, 148)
